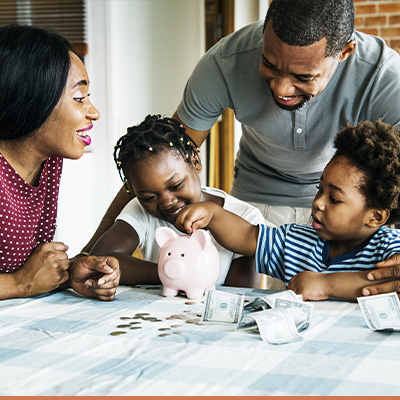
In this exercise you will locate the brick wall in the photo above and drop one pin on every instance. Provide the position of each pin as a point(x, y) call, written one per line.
point(379, 18)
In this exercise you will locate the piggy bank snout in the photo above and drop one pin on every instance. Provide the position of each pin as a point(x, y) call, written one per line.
point(174, 269)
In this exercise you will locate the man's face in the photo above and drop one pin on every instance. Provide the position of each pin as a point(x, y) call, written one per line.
point(295, 73)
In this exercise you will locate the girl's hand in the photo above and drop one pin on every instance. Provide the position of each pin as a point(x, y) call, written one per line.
point(195, 216)
point(311, 285)
point(96, 277)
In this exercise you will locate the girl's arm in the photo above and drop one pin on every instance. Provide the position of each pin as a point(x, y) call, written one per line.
point(320, 286)
point(242, 273)
point(230, 231)
point(121, 199)
point(121, 241)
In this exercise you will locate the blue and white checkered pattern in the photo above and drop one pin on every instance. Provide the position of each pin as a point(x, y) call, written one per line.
point(60, 344)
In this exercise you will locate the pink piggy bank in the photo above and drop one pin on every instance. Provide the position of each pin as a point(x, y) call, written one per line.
point(189, 263)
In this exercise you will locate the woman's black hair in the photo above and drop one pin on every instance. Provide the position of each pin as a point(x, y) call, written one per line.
point(151, 137)
point(34, 67)
point(374, 148)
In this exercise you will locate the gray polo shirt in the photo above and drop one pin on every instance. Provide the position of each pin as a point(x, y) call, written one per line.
point(283, 153)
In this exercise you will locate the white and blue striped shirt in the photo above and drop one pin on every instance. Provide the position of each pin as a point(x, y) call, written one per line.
point(285, 251)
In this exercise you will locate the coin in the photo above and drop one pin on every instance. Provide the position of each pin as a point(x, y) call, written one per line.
point(123, 326)
point(190, 303)
point(143, 314)
point(117, 333)
point(151, 319)
point(164, 334)
point(135, 327)
point(134, 323)
point(176, 326)
point(179, 332)
point(192, 321)
point(164, 329)
point(126, 318)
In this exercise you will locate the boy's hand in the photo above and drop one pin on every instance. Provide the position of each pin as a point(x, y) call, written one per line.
point(195, 216)
point(311, 285)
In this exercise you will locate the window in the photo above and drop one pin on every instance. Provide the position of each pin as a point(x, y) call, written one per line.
point(65, 16)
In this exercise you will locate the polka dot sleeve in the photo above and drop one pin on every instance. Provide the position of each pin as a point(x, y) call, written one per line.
point(27, 214)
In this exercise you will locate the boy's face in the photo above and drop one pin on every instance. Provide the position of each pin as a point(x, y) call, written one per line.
point(338, 209)
point(165, 184)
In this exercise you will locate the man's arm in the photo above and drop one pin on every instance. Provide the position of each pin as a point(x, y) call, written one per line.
point(197, 136)
point(120, 201)
point(388, 271)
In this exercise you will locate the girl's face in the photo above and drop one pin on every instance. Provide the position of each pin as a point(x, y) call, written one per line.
point(338, 210)
point(165, 184)
point(66, 131)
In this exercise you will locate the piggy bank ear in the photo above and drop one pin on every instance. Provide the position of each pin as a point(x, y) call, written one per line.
point(163, 234)
point(201, 236)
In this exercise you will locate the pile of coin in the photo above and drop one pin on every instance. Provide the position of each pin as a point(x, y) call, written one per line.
point(188, 317)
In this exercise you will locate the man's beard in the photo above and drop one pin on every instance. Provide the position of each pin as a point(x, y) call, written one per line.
point(302, 104)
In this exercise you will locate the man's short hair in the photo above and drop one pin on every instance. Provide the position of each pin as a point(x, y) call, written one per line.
point(304, 22)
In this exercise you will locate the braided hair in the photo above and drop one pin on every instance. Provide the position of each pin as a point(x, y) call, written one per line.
point(374, 148)
point(151, 137)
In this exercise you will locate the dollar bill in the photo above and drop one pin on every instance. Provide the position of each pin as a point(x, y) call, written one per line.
point(269, 300)
point(381, 311)
point(300, 311)
point(283, 317)
point(222, 307)
point(276, 325)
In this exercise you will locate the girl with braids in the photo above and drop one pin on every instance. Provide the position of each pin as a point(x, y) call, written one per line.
point(357, 194)
point(159, 163)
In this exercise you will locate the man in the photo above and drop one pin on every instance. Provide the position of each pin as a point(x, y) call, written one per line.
point(293, 82)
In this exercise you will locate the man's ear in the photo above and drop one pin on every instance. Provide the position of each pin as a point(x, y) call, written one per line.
point(347, 50)
point(378, 217)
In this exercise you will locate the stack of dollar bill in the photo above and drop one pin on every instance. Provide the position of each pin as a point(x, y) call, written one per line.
point(278, 317)
point(381, 312)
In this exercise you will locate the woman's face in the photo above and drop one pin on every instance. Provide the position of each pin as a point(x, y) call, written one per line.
point(66, 132)
point(165, 184)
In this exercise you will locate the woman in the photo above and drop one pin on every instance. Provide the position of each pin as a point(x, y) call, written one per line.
point(45, 116)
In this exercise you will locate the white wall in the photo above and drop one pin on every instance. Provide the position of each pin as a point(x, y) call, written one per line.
point(246, 12)
point(141, 53)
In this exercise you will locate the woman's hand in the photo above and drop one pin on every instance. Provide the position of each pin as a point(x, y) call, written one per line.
point(95, 276)
point(388, 269)
point(45, 270)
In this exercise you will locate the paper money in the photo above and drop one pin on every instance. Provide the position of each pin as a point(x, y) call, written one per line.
point(300, 311)
point(269, 300)
point(222, 307)
point(283, 317)
point(276, 325)
point(381, 311)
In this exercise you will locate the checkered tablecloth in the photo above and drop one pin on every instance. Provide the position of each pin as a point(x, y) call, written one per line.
point(61, 344)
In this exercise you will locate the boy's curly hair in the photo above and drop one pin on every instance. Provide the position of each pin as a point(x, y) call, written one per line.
point(151, 137)
point(374, 148)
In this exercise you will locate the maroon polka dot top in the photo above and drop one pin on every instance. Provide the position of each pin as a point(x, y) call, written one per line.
point(27, 214)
